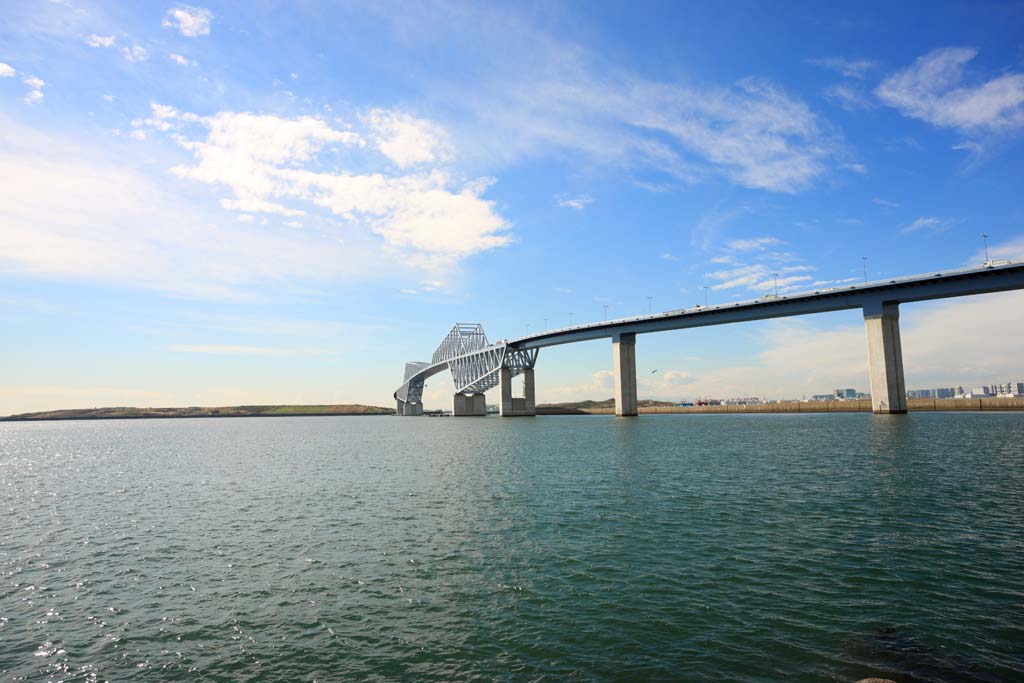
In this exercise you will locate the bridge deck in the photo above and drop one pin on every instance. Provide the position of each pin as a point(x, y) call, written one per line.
point(950, 283)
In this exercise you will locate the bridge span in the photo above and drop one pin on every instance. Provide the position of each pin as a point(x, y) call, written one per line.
point(478, 365)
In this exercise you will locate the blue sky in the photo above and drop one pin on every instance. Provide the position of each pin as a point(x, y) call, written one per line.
point(283, 202)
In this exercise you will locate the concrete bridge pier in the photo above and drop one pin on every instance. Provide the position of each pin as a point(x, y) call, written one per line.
point(517, 407)
point(469, 405)
point(409, 409)
point(885, 358)
point(624, 358)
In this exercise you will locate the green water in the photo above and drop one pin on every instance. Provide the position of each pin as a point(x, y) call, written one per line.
point(663, 548)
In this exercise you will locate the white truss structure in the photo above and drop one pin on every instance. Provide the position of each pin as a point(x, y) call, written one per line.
point(473, 361)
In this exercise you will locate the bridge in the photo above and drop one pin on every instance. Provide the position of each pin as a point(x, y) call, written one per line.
point(478, 365)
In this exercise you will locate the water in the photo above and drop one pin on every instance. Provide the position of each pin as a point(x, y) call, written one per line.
point(680, 547)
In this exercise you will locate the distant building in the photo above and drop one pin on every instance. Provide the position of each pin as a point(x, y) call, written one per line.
point(846, 394)
point(823, 397)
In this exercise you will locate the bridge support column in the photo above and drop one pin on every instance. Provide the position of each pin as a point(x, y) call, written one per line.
point(469, 405)
point(414, 409)
point(516, 407)
point(885, 358)
point(624, 357)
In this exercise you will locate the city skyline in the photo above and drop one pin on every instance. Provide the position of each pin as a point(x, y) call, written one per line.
point(200, 209)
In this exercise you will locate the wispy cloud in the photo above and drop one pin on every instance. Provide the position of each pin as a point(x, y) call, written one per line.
point(578, 203)
point(548, 96)
point(933, 89)
point(927, 223)
point(181, 60)
point(850, 68)
point(6, 70)
point(885, 202)
point(848, 97)
point(668, 257)
point(754, 244)
point(760, 277)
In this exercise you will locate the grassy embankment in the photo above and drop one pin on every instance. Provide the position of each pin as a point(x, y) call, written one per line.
point(123, 413)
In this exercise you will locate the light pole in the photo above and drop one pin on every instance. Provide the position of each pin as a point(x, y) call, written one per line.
point(570, 319)
point(984, 237)
point(649, 305)
point(865, 260)
point(605, 311)
point(775, 277)
point(545, 324)
point(706, 288)
point(527, 329)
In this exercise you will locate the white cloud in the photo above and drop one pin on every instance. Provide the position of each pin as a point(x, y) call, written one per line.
point(850, 68)
point(885, 202)
point(101, 41)
point(181, 60)
point(191, 22)
point(135, 53)
point(78, 213)
point(406, 140)
point(428, 217)
point(35, 94)
point(856, 168)
point(933, 90)
point(6, 70)
point(668, 257)
point(926, 222)
point(578, 203)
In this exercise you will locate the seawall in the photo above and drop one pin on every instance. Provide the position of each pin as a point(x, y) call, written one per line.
point(863, 406)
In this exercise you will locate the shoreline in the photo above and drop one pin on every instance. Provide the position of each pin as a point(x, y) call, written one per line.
point(914, 405)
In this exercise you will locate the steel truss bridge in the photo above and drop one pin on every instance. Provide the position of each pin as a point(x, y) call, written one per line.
point(478, 365)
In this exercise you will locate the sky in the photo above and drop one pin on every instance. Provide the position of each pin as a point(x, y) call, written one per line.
point(283, 202)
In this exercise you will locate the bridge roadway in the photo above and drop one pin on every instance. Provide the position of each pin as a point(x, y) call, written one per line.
point(477, 365)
